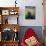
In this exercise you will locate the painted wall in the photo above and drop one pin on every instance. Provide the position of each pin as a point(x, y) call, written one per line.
point(22, 3)
point(37, 29)
point(39, 13)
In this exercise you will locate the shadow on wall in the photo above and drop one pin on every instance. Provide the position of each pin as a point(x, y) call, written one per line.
point(37, 29)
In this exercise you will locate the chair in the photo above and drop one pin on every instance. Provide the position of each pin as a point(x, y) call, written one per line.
point(28, 34)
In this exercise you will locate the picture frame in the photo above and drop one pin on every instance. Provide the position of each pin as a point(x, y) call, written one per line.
point(30, 12)
point(13, 12)
point(5, 12)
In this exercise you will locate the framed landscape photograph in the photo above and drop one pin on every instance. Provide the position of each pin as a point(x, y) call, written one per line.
point(30, 12)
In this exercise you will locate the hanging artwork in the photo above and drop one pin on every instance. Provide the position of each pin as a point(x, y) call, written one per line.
point(30, 12)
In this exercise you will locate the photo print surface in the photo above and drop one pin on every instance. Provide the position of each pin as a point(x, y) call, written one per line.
point(30, 12)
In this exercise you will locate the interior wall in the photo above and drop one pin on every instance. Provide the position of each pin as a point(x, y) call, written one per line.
point(22, 3)
point(7, 3)
point(39, 13)
point(37, 29)
point(22, 21)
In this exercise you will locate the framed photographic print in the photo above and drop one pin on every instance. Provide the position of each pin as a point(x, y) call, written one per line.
point(5, 12)
point(30, 12)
